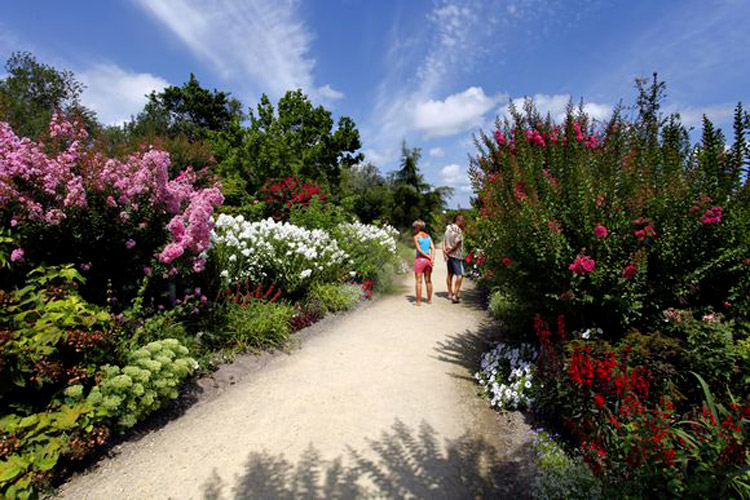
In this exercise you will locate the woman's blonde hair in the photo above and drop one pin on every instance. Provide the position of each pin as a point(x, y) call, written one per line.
point(418, 225)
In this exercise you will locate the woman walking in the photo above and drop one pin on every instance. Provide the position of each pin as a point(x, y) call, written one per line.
point(424, 260)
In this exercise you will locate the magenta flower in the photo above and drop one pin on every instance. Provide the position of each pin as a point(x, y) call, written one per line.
point(130, 243)
point(17, 255)
point(147, 271)
point(600, 232)
point(499, 137)
point(712, 216)
point(199, 265)
point(629, 271)
point(582, 265)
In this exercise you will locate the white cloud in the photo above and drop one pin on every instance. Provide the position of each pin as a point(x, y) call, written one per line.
point(456, 113)
point(437, 152)
point(555, 105)
point(455, 176)
point(116, 94)
point(692, 116)
point(263, 43)
point(329, 94)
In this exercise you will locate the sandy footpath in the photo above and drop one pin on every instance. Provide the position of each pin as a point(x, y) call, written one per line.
point(379, 404)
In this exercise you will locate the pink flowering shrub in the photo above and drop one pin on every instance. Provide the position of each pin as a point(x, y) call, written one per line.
point(66, 202)
point(612, 223)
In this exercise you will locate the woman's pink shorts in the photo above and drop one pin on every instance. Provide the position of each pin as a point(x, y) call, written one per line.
point(422, 264)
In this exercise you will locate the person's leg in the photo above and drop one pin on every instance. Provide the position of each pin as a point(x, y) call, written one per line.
point(459, 279)
point(418, 276)
point(449, 281)
point(428, 282)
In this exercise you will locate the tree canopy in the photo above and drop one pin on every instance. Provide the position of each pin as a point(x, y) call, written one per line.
point(32, 91)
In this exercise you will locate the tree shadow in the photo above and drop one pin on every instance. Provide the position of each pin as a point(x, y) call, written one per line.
point(465, 349)
point(402, 463)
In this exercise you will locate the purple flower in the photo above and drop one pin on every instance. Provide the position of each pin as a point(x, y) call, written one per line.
point(130, 243)
point(17, 255)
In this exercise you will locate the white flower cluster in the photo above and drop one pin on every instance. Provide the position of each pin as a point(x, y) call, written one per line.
point(507, 376)
point(586, 334)
point(369, 234)
point(287, 255)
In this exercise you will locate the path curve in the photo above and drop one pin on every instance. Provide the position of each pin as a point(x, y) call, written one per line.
point(380, 404)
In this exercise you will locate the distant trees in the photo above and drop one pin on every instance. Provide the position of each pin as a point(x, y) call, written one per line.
point(189, 110)
point(200, 127)
point(413, 198)
point(32, 91)
point(294, 138)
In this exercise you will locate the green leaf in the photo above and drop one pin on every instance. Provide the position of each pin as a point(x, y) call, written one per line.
point(707, 394)
point(12, 467)
point(29, 421)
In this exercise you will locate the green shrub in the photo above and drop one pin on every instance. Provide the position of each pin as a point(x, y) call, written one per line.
point(561, 476)
point(318, 215)
point(259, 324)
point(371, 249)
point(32, 446)
point(50, 336)
point(334, 298)
point(514, 316)
point(151, 377)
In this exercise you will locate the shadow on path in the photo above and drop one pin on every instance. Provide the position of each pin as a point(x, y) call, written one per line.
point(401, 463)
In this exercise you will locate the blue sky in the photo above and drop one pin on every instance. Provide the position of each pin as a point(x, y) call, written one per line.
point(430, 72)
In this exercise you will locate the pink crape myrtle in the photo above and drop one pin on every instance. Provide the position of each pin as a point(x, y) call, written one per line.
point(43, 182)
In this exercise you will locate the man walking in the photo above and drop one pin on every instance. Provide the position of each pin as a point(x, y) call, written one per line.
point(453, 252)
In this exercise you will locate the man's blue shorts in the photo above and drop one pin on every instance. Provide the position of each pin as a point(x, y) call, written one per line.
point(455, 266)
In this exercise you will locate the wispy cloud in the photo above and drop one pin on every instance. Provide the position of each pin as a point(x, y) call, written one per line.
point(696, 46)
point(263, 43)
point(116, 94)
point(422, 94)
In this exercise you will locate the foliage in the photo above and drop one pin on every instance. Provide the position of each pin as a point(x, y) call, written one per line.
point(623, 221)
point(32, 91)
point(151, 376)
point(190, 110)
point(259, 323)
point(637, 240)
point(49, 337)
point(413, 198)
point(71, 204)
point(559, 475)
point(318, 215)
point(334, 298)
point(509, 312)
point(34, 445)
point(370, 248)
point(282, 196)
point(295, 138)
point(270, 252)
point(367, 194)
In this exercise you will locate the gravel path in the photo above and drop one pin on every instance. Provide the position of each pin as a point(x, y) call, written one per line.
point(380, 403)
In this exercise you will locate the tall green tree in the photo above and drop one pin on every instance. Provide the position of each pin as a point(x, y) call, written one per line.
point(293, 138)
point(366, 193)
point(413, 198)
point(190, 110)
point(32, 91)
